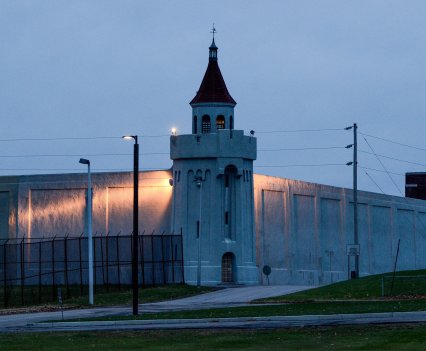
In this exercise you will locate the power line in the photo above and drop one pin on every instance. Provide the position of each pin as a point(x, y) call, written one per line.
point(79, 138)
point(303, 148)
point(301, 165)
point(396, 186)
point(373, 181)
point(381, 171)
point(299, 130)
point(68, 181)
point(393, 158)
point(393, 142)
point(78, 171)
point(81, 154)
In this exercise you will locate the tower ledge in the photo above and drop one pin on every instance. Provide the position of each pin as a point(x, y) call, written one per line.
point(223, 144)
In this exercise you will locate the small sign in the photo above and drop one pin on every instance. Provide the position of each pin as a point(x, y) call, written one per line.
point(266, 270)
point(352, 250)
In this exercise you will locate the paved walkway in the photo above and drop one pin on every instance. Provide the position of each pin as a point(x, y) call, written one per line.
point(238, 296)
point(222, 298)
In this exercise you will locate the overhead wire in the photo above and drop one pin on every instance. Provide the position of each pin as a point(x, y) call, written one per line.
point(300, 165)
point(80, 138)
point(393, 141)
point(380, 161)
point(393, 158)
point(299, 130)
point(378, 186)
point(303, 148)
point(380, 170)
point(82, 154)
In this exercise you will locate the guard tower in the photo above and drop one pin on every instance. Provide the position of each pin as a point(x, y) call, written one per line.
point(213, 188)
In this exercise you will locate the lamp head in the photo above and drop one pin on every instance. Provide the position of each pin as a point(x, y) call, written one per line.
point(130, 137)
point(174, 130)
point(84, 161)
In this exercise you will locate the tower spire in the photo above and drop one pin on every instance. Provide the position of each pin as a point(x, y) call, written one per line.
point(213, 47)
point(213, 31)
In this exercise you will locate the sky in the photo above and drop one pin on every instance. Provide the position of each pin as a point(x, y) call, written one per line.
point(77, 75)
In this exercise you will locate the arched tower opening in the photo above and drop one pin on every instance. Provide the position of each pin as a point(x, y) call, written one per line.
point(220, 122)
point(206, 125)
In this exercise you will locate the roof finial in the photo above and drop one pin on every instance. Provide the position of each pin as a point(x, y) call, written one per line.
point(213, 31)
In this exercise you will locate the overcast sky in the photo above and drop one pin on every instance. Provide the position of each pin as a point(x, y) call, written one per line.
point(77, 69)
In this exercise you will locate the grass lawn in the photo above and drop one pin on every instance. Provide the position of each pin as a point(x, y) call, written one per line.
point(362, 288)
point(390, 337)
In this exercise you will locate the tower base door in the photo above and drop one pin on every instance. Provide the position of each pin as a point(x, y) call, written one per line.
point(228, 263)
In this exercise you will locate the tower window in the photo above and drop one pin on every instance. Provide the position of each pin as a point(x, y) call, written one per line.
point(226, 217)
point(220, 122)
point(205, 124)
point(231, 122)
point(194, 126)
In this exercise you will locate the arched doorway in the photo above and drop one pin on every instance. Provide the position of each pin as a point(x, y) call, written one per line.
point(228, 267)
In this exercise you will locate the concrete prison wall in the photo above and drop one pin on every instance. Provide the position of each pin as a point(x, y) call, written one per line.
point(302, 231)
point(48, 205)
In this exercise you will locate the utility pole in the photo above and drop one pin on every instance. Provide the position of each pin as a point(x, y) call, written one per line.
point(355, 196)
point(354, 163)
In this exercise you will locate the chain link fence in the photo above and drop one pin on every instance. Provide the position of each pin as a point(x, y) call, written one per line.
point(32, 270)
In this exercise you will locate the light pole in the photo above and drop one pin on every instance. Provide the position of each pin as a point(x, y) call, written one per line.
point(199, 181)
point(89, 228)
point(135, 236)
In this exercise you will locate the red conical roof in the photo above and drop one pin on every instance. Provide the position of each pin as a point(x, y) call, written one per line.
point(213, 87)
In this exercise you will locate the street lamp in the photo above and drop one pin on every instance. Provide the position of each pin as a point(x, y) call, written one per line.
point(135, 236)
point(89, 228)
point(198, 179)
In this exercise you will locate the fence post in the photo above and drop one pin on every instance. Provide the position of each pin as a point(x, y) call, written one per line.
point(94, 263)
point(5, 274)
point(162, 255)
point(39, 271)
point(140, 247)
point(22, 272)
point(102, 258)
point(173, 259)
point(66, 265)
point(118, 261)
point(383, 286)
point(181, 256)
point(53, 268)
point(81, 267)
point(152, 259)
point(107, 260)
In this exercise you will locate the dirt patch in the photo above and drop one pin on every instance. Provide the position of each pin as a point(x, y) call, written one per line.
point(35, 309)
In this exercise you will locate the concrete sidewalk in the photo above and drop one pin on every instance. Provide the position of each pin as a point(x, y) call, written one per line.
point(238, 296)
